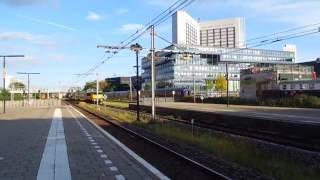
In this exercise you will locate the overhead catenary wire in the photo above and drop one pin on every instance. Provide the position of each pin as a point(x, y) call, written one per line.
point(156, 21)
point(260, 43)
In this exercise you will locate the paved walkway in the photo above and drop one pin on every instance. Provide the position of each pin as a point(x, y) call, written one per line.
point(60, 143)
point(302, 115)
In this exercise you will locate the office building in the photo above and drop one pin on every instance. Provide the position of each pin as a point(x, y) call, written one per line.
point(206, 64)
point(219, 33)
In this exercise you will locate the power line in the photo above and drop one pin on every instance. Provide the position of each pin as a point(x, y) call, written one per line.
point(166, 14)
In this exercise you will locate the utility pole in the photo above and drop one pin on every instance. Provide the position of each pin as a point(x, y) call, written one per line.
point(4, 78)
point(227, 78)
point(130, 89)
point(153, 83)
point(137, 48)
point(28, 74)
point(194, 83)
point(97, 90)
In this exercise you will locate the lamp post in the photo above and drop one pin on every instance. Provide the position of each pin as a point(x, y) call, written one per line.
point(28, 74)
point(227, 78)
point(4, 77)
point(137, 48)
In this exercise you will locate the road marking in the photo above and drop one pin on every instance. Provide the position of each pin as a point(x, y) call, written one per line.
point(113, 168)
point(54, 163)
point(108, 161)
point(94, 143)
point(120, 177)
point(147, 165)
point(99, 151)
point(103, 156)
point(92, 140)
point(97, 147)
point(1, 158)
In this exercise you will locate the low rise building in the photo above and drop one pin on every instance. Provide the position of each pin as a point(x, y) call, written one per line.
point(272, 81)
point(316, 66)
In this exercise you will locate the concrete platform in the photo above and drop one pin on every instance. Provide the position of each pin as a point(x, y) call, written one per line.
point(302, 115)
point(59, 143)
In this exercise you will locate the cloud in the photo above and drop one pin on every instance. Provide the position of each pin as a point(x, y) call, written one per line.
point(24, 36)
point(93, 16)
point(130, 28)
point(295, 12)
point(50, 23)
point(121, 11)
point(20, 3)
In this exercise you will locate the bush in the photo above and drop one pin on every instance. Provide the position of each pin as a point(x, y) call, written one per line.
point(301, 101)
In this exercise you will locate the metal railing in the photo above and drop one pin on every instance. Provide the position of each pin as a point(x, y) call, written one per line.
point(33, 103)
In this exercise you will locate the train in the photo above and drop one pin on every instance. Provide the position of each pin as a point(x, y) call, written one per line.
point(89, 96)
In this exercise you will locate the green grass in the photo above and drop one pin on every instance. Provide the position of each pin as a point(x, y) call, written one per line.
point(238, 151)
point(117, 104)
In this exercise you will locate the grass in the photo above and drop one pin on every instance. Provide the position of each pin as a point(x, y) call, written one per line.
point(234, 150)
point(117, 104)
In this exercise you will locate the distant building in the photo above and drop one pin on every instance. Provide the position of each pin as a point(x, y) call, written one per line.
point(122, 83)
point(270, 81)
point(218, 33)
point(316, 66)
point(291, 48)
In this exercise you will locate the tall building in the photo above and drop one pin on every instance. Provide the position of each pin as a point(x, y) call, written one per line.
point(219, 33)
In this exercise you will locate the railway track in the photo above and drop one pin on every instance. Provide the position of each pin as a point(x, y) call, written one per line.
point(174, 164)
point(267, 136)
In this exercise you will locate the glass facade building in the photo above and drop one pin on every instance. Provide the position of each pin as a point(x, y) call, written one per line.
point(175, 69)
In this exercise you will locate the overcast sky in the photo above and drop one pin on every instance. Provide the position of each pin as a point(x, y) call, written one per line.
point(59, 37)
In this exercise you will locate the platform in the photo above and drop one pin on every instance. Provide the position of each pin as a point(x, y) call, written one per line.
point(59, 143)
point(302, 115)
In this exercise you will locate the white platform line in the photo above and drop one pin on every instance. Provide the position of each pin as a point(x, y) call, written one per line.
point(147, 165)
point(54, 163)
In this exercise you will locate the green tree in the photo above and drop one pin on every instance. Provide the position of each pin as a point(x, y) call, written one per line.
point(5, 95)
point(209, 84)
point(16, 85)
point(103, 85)
point(147, 86)
point(90, 85)
point(221, 83)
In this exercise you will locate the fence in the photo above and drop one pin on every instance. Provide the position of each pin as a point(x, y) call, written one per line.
point(32, 103)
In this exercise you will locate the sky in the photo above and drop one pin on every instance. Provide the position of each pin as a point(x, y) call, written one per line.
point(59, 37)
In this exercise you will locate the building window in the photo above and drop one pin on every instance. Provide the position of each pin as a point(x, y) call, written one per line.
point(284, 86)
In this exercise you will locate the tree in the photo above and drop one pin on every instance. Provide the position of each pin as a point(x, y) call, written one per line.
point(5, 95)
point(90, 85)
point(147, 86)
point(209, 84)
point(103, 85)
point(16, 85)
point(221, 83)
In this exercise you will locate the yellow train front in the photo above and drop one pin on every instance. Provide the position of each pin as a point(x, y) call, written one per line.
point(91, 97)
point(94, 97)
